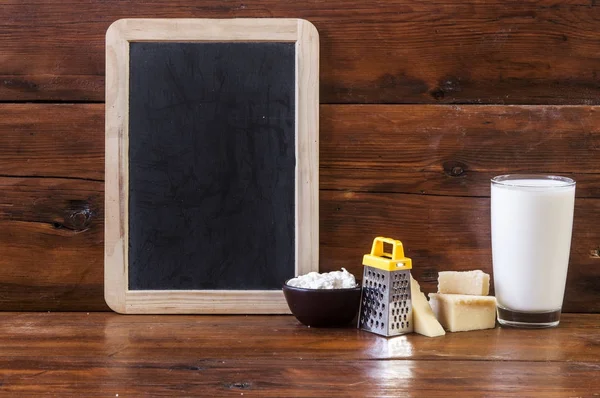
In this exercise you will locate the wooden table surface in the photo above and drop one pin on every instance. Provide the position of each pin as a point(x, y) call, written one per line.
point(105, 354)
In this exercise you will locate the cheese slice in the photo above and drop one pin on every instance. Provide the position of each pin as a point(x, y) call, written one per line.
point(424, 321)
point(461, 312)
point(465, 282)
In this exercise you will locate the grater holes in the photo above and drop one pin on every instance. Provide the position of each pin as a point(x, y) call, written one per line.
point(405, 317)
point(407, 324)
point(402, 325)
point(380, 315)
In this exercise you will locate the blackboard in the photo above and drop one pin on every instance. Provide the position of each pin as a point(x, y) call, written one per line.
point(211, 163)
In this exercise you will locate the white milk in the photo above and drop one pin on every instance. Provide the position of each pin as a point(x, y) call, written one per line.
point(532, 220)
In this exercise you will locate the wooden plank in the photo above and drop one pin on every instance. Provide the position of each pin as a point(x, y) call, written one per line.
point(438, 150)
point(79, 354)
point(58, 223)
point(28, 335)
point(455, 150)
point(52, 140)
point(294, 378)
point(52, 244)
point(445, 233)
point(514, 52)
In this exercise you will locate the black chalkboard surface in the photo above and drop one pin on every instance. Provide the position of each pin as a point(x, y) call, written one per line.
point(211, 164)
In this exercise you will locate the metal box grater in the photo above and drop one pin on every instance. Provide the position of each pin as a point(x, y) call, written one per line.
point(386, 305)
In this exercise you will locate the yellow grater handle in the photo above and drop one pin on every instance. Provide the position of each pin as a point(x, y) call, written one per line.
point(387, 261)
point(397, 248)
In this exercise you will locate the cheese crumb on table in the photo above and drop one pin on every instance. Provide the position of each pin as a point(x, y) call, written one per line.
point(424, 321)
point(329, 280)
point(461, 312)
point(476, 283)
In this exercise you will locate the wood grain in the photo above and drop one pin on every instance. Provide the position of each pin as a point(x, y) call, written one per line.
point(81, 354)
point(538, 52)
point(455, 150)
point(296, 378)
point(439, 233)
point(51, 244)
point(228, 337)
point(52, 140)
point(51, 251)
point(437, 150)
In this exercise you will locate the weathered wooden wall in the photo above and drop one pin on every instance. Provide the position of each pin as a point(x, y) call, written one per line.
point(405, 149)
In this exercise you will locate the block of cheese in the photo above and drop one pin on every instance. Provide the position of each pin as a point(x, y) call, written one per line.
point(424, 321)
point(462, 312)
point(464, 282)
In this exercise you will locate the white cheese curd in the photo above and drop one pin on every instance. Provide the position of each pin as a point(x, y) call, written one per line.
point(329, 280)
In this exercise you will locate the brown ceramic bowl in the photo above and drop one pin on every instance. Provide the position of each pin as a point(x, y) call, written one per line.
point(323, 307)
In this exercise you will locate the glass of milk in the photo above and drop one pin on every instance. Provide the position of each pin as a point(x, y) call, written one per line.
point(532, 221)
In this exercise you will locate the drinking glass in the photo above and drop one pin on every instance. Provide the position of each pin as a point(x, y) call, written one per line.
point(532, 221)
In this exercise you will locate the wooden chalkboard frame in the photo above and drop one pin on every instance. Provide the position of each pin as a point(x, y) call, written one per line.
point(118, 37)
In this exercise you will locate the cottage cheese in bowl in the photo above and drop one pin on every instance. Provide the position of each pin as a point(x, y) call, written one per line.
point(328, 280)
